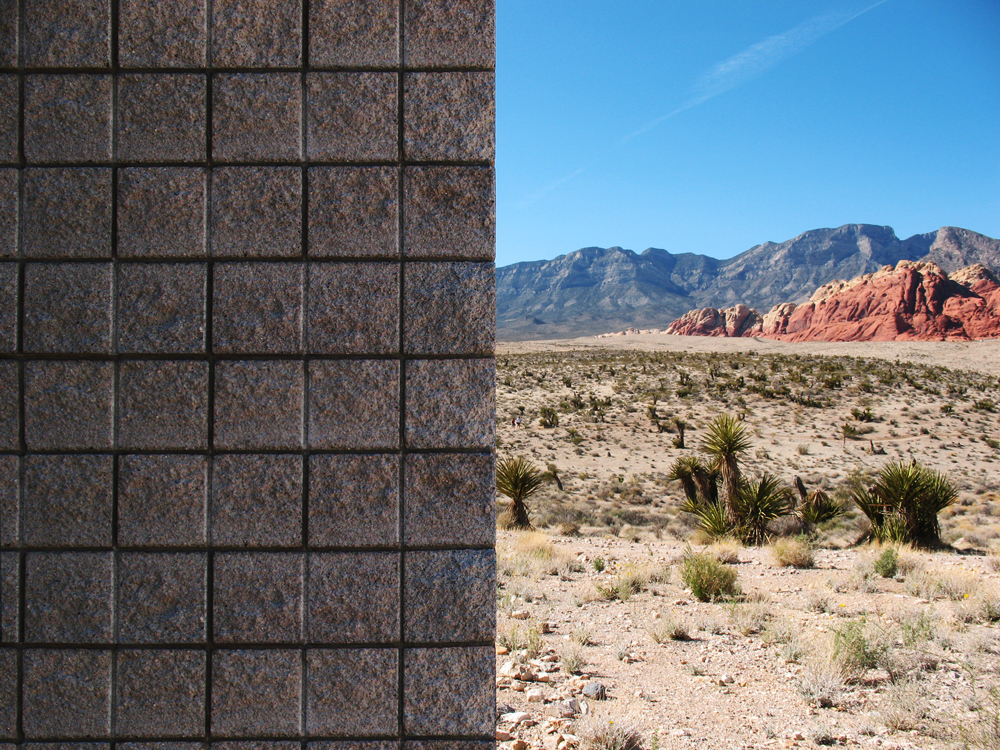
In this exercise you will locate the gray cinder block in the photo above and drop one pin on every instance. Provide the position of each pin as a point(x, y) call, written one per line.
point(69, 597)
point(162, 500)
point(257, 501)
point(354, 404)
point(67, 213)
point(448, 116)
point(340, 704)
point(161, 117)
point(353, 597)
point(450, 308)
point(449, 213)
point(353, 308)
point(161, 212)
point(160, 693)
point(353, 500)
point(162, 33)
point(450, 403)
point(162, 597)
point(352, 116)
point(67, 501)
point(66, 694)
point(353, 212)
point(256, 693)
point(67, 118)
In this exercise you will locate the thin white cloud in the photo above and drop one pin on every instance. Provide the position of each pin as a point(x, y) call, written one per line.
point(732, 72)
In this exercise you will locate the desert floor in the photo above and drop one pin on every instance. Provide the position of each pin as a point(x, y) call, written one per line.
point(832, 654)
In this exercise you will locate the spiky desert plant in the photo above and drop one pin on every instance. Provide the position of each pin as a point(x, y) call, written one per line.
point(903, 503)
point(727, 437)
point(819, 508)
point(680, 425)
point(759, 502)
point(683, 470)
point(517, 479)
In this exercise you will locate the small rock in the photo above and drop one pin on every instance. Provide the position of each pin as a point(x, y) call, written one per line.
point(595, 691)
point(680, 732)
point(544, 627)
point(534, 696)
point(519, 745)
point(726, 679)
point(502, 650)
point(560, 710)
point(516, 717)
point(519, 615)
point(502, 736)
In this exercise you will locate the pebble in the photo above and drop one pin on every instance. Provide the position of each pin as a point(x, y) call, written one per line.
point(519, 745)
point(596, 691)
point(502, 736)
point(534, 696)
point(519, 615)
point(515, 718)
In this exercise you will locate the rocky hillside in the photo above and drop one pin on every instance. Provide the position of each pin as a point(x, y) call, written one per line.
point(595, 290)
point(915, 301)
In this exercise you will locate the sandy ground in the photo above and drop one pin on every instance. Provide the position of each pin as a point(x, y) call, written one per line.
point(975, 356)
point(751, 670)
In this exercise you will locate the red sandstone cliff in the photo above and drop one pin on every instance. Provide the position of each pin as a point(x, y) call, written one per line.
point(914, 301)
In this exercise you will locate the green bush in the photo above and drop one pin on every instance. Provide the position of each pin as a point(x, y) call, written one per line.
point(708, 578)
point(887, 563)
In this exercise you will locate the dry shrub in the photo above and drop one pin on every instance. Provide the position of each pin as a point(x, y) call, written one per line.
point(822, 682)
point(792, 552)
point(725, 550)
point(600, 733)
point(993, 561)
point(668, 628)
point(903, 706)
point(750, 618)
point(959, 585)
point(531, 554)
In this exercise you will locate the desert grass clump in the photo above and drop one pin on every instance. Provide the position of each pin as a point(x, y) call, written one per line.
point(573, 661)
point(859, 646)
point(793, 552)
point(668, 628)
point(708, 578)
point(582, 635)
point(725, 550)
point(629, 581)
point(959, 585)
point(748, 618)
point(599, 733)
point(822, 683)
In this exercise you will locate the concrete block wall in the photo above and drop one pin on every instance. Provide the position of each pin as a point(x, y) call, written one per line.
point(246, 374)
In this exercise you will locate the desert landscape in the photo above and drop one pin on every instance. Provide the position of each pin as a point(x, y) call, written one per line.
point(820, 641)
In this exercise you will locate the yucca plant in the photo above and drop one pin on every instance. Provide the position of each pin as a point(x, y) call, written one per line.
point(759, 502)
point(684, 470)
point(819, 508)
point(726, 439)
point(517, 479)
point(903, 503)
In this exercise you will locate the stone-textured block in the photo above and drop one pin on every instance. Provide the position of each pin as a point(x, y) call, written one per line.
point(450, 403)
point(257, 501)
point(69, 597)
point(161, 212)
point(67, 694)
point(257, 33)
point(256, 116)
point(9, 35)
point(353, 212)
point(258, 405)
point(10, 595)
point(8, 307)
point(450, 499)
point(176, 745)
point(161, 117)
point(67, 308)
point(160, 693)
point(67, 118)
point(257, 745)
point(452, 33)
point(450, 308)
point(354, 745)
point(256, 693)
point(67, 33)
point(353, 308)
point(354, 404)
point(450, 213)
point(163, 405)
point(68, 405)
point(10, 212)
point(161, 308)
point(448, 116)
point(441, 583)
point(162, 501)
point(67, 501)
point(353, 33)
point(8, 694)
point(8, 118)
point(258, 597)
point(353, 597)
point(154, 34)
point(353, 501)
point(257, 212)
point(67, 213)
point(340, 704)
point(449, 745)
point(10, 417)
point(10, 501)
point(258, 308)
point(434, 676)
point(161, 597)
point(352, 116)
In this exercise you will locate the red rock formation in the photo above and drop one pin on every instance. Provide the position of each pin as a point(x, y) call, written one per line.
point(911, 302)
point(732, 322)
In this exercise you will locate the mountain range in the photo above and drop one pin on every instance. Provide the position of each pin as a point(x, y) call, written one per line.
point(595, 290)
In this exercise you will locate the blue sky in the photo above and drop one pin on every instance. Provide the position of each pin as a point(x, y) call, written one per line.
point(710, 126)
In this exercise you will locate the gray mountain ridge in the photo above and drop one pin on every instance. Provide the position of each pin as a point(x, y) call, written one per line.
point(596, 290)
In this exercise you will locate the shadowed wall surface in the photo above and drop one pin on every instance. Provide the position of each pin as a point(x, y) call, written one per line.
point(246, 374)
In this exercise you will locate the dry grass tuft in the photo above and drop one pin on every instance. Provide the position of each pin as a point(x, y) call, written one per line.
point(792, 552)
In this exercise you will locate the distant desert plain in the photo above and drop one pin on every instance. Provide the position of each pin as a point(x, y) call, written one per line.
point(833, 651)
